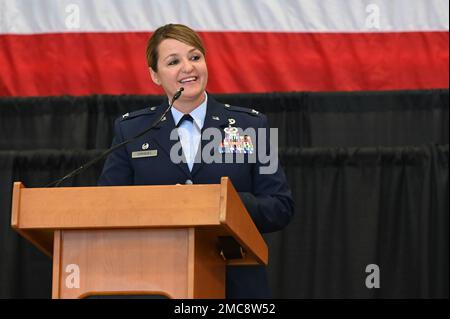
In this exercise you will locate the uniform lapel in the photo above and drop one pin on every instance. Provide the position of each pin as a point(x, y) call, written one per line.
point(215, 117)
point(161, 136)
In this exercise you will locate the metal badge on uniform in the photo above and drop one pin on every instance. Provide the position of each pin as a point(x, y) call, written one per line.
point(145, 146)
point(234, 143)
point(216, 118)
point(140, 154)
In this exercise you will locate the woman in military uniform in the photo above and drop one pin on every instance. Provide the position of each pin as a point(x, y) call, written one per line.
point(176, 58)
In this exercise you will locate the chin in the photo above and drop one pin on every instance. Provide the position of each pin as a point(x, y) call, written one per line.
point(192, 94)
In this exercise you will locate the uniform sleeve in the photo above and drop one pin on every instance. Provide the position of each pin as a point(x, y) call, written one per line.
point(270, 203)
point(117, 169)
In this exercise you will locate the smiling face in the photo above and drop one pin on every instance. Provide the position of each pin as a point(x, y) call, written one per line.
point(181, 65)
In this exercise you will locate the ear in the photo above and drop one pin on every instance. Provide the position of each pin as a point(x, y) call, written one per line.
point(155, 77)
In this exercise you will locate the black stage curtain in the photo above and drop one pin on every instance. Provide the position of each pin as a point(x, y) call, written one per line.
point(304, 119)
point(369, 173)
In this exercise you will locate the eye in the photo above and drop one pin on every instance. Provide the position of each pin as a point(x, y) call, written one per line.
point(195, 57)
point(173, 62)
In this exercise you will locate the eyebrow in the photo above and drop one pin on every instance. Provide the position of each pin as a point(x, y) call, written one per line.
point(175, 54)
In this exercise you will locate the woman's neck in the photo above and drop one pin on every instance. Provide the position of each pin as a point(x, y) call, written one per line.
point(187, 106)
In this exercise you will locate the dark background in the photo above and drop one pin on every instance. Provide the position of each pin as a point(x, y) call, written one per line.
point(368, 170)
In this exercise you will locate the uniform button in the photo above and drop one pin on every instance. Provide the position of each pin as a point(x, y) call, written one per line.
point(189, 182)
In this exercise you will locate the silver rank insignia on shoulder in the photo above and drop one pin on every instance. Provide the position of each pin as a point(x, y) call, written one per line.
point(145, 146)
point(153, 108)
point(255, 111)
point(216, 118)
point(234, 143)
point(140, 154)
point(125, 115)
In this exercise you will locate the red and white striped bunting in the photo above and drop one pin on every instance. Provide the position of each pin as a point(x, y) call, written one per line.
point(82, 47)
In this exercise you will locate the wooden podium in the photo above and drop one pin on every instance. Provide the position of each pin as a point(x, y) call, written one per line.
point(137, 240)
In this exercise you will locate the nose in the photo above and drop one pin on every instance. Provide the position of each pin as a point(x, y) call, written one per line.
point(187, 66)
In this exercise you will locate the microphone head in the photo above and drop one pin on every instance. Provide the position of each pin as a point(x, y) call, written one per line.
point(177, 94)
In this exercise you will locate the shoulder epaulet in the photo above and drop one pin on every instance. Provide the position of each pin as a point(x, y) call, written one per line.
point(146, 111)
point(242, 109)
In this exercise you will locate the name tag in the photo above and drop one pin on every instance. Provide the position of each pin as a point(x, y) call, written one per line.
point(140, 154)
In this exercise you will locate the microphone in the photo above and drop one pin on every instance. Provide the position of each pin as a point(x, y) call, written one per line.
point(176, 95)
point(115, 147)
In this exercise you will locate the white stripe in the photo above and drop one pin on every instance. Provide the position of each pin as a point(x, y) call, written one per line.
point(49, 16)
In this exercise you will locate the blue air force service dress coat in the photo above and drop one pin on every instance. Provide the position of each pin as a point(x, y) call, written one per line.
point(267, 197)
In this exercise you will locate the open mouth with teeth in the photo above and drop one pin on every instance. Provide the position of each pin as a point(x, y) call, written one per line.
point(188, 80)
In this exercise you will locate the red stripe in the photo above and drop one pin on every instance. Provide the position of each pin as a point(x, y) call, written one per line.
point(114, 63)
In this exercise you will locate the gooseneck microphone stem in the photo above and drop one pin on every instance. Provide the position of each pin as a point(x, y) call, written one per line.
point(115, 147)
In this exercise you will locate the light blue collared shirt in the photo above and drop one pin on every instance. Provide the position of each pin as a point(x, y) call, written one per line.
point(190, 133)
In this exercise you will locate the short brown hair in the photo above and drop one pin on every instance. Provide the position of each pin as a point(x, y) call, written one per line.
point(178, 32)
